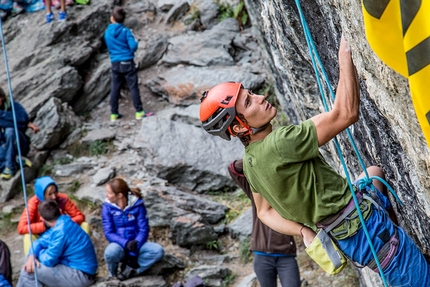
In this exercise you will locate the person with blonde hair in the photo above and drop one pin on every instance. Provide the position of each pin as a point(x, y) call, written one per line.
point(126, 227)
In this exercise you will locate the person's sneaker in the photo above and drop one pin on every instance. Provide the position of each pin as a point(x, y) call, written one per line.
point(17, 9)
point(62, 16)
point(114, 117)
point(7, 173)
point(142, 114)
point(49, 17)
point(127, 273)
point(25, 161)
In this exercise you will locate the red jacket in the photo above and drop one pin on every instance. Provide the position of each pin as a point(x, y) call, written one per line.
point(37, 226)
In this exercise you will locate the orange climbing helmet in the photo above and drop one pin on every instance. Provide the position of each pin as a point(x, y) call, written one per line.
point(217, 109)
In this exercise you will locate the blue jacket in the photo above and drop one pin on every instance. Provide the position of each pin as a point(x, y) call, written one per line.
point(4, 282)
point(66, 243)
point(121, 226)
point(120, 43)
point(6, 117)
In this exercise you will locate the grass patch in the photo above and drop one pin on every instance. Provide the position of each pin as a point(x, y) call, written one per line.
point(228, 280)
point(214, 245)
point(245, 254)
point(194, 13)
point(98, 148)
point(84, 204)
point(6, 224)
point(237, 12)
point(237, 202)
point(74, 186)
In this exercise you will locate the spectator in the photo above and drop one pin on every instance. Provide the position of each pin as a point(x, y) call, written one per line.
point(50, 16)
point(45, 188)
point(126, 228)
point(121, 46)
point(8, 148)
point(5, 266)
point(64, 255)
point(274, 252)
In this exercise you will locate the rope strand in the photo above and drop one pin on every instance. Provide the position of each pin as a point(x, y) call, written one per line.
point(367, 180)
point(18, 144)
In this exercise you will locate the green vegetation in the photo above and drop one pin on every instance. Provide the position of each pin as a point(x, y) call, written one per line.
point(46, 169)
point(214, 245)
point(98, 147)
point(6, 224)
point(194, 13)
point(74, 186)
point(84, 204)
point(228, 280)
point(245, 254)
point(238, 12)
point(236, 202)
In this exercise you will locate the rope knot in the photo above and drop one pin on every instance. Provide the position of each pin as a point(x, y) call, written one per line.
point(365, 182)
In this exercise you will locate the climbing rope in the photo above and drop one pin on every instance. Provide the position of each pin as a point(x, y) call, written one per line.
point(17, 142)
point(366, 181)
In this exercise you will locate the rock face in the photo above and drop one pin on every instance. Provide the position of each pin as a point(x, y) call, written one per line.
point(387, 134)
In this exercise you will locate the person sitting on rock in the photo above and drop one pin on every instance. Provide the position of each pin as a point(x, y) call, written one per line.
point(126, 227)
point(45, 188)
point(8, 147)
point(64, 255)
point(5, 266)
point(121, 47)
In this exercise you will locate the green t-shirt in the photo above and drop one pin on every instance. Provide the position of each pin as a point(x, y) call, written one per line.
point(287, 169)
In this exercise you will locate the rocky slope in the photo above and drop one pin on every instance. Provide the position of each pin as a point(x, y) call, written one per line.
point(60, 73)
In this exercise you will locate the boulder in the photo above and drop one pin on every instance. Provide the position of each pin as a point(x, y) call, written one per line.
point(56, 121)
point(208, 48)
point(195, 159)
point(185, 85)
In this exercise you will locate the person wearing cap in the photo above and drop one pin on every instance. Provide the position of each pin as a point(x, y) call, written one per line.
point(294, 189)
point(45, 188)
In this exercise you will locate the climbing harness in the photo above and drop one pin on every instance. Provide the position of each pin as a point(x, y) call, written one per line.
point(366, 181)
point(24, 190)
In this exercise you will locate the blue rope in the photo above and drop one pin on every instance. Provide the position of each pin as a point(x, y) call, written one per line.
point(366, 181)
point(17, 144)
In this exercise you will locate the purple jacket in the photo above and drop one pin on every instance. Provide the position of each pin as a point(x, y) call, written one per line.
point(121, 226)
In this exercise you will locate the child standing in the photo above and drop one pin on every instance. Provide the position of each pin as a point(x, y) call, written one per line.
point(121, 46)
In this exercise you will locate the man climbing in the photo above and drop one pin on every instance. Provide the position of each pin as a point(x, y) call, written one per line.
point(294, 189)
point(8, 146)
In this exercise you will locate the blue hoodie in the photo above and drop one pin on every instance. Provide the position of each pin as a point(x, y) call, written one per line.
point(41, 184)
point(120, 43)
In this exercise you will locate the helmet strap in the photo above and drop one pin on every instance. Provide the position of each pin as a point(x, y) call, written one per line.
point(250, 129)
point(256, 130)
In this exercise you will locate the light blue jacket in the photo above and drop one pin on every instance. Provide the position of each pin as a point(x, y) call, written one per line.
point(120, 43)
point(66, 243)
